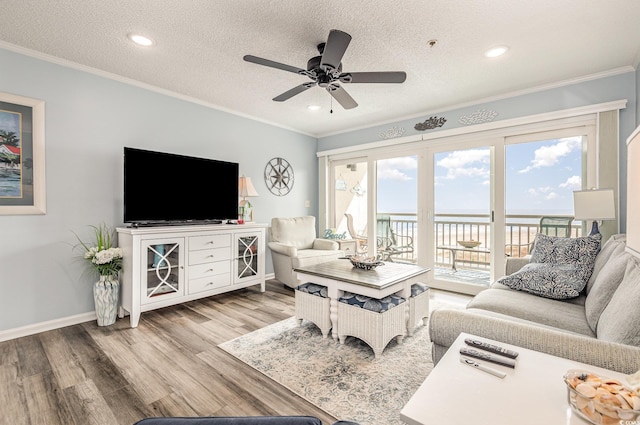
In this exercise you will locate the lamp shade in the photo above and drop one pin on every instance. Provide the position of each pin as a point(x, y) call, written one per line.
point(597, 204)
point(245, 187)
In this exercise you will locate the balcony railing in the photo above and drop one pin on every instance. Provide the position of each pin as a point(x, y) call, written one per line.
point(520, 232)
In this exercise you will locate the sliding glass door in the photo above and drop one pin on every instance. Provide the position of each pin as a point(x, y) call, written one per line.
point(541, 176)
point(462, 217)
point(462, 206)
point(350, 201)
point(397, 208)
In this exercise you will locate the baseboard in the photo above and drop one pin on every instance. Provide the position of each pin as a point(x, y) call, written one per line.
point(50, 325)
point(14, 333)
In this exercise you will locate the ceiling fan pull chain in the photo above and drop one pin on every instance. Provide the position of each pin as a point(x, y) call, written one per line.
point(331, 105)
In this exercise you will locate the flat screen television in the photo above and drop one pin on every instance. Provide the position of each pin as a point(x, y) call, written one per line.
point(163, 188)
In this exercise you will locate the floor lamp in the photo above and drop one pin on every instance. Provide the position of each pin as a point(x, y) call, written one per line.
point(595, 204)
point(245, 190)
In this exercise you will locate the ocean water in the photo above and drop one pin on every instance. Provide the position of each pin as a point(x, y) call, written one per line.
point(9, 182)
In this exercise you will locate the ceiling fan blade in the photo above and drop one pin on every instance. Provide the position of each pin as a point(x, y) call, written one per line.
point(373, 77)
point(341, 96)
point(294, 91)
point(273, 64)
point(334, 49)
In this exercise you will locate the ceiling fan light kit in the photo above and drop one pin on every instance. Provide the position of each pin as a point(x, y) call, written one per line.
point(325, 71)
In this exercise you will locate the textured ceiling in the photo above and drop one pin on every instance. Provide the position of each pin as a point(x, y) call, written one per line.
point(200, 45)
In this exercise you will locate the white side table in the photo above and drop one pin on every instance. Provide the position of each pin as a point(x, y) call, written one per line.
point(533, 393)
point(349, 246)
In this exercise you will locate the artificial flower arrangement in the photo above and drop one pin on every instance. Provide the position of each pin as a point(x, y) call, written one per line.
point(104, 258)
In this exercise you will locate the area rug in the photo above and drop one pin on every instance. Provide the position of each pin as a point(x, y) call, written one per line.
point(344, 380)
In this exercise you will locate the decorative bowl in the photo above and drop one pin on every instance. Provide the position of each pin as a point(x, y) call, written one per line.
point(365, 263)
point(601, 400)
point(469, 244)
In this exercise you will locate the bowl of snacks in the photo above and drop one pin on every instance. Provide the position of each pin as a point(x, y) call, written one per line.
point(601, 400)
point(469, 244)
point(365, 263)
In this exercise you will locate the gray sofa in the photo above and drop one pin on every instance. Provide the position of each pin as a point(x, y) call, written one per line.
point(600, 327)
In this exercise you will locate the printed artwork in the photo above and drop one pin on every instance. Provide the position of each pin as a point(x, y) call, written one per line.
point(10, 154)
point(22, 185)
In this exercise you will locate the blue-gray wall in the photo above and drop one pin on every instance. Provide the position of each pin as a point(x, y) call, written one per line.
point(625, 85)
point(89, 119)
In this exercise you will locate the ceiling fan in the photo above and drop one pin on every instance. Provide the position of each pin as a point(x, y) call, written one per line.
point(326, 71)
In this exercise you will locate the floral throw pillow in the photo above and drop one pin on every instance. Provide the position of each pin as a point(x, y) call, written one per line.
point(556, 281)
point(579, 252)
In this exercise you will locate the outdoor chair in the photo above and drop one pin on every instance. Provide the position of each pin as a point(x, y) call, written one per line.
point(361, 240)
point(550, 226)
point(390, 244)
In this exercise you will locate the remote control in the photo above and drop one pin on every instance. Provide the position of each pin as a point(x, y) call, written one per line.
point(470, 352)
point(491, 348)
point(475, 364)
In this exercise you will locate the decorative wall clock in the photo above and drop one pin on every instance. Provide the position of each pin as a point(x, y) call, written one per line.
point(278, 176)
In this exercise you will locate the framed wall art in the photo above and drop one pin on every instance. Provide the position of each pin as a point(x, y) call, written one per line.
point(22, 172)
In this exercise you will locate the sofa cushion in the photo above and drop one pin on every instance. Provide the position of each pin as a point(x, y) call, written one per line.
point(579, 252)
point(614, 245)
point(604, 286)
point(369, 303)
point(558, 314)
point(309, 257)
point(418, 288)
point(579, 300)
point(557, 281)
point(620, 320)
point(313, 289)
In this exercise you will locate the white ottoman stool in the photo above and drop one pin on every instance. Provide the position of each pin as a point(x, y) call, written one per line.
point(418, 306)
point(312, 304)
point(374, 321)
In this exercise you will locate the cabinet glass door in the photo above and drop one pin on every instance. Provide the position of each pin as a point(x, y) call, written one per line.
point(164, 270)
point(247, 256)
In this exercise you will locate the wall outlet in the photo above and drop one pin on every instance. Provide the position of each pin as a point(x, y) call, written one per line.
point(307, 203)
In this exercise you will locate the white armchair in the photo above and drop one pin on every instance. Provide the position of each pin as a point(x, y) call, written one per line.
point(294, 244)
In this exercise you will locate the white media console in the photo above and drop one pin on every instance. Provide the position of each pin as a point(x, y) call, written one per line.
point(163, 266)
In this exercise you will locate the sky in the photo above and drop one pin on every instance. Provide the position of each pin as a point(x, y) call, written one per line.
point(540, 178)
point(10, 122)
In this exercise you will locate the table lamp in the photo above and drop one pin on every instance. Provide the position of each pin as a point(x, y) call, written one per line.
point(594, 204)
point(245, 190)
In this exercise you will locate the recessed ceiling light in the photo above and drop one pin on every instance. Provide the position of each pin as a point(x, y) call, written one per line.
point(140, 40)
point(494, 52)
point(313, 107)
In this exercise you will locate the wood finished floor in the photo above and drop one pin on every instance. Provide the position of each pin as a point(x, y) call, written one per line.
point(169, 365)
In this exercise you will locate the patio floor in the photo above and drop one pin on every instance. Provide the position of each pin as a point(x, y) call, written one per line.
point(470, 276)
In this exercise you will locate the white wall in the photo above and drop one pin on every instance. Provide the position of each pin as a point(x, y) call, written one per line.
point(89, 119)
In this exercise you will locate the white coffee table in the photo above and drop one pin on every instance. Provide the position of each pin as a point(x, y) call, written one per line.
point(340, 275)
point(533, 393)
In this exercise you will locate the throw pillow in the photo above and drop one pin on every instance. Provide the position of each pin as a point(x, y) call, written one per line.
point(556, 281)
point(579, 252)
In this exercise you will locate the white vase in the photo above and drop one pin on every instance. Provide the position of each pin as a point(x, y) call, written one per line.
point(105, 297)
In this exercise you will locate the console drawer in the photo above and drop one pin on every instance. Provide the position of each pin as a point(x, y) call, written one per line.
point(209, 269)
point(209, 255)
point(208, 283)
point(209, 241)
